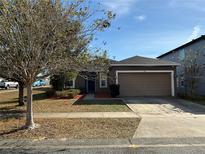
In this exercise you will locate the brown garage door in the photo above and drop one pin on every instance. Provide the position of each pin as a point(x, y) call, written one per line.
point(145, 84)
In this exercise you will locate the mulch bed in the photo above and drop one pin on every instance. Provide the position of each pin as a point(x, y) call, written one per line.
point(102, 95)
point(79, 97)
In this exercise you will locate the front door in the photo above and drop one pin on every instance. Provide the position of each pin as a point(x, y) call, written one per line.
point(91, 86)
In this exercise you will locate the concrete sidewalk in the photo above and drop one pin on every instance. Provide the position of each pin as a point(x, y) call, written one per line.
point(79, 115)
point(87, 115)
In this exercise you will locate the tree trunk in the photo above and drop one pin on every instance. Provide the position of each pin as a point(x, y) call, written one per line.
point(21, 94)
point(29, 118)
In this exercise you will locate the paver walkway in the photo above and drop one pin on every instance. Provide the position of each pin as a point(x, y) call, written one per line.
point(87, 115)
point(89, 97)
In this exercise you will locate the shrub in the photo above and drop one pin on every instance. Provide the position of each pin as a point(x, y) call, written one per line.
point(70, 93)
point(50, 92)
point(114, 90)
point(57, 82)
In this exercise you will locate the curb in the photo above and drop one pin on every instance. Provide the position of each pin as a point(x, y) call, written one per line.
point(12, 143)
point(100, 143)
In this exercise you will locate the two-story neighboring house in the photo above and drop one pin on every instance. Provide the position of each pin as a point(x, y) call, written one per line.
point(179, 54)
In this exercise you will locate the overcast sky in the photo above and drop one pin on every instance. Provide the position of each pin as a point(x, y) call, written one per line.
point(151, 27)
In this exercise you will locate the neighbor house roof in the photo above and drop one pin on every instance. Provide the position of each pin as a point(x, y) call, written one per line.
point(183, 46)
point(142, 61)
point(112, 61)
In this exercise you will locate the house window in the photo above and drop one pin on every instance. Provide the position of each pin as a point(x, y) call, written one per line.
point(103, 80)
point(182, 82)
point(71, 83)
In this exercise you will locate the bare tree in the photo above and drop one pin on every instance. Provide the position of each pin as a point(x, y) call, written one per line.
point(192, 71)
point(44, 36)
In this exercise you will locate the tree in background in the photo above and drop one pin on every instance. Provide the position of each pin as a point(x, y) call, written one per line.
point(10, 76)
point(192, 71)
point(47, 37)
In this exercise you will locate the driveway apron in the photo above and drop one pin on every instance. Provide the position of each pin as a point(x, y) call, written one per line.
point(168, 117)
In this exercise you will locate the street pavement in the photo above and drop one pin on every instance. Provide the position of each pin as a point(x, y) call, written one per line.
point(126, 146)
point(141, 150)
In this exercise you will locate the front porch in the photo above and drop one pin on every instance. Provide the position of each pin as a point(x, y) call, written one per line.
point(92, 83)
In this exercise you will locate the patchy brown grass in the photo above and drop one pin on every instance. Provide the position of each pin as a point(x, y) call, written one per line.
point(9, 100)
point(65, 105)
point(70, 128)
point(9, 104)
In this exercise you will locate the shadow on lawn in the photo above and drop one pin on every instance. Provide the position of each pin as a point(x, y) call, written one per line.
point(39, 96)
point(13, 131)
point(13, 101)
point(42, 89)
point(10, 112)
point(36, 97)
point(99, 102)
point(7, 116)
point(15, 111)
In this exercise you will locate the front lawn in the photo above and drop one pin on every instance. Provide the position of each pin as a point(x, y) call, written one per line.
point(65, 105)
point(95, 128)
point(9, 102)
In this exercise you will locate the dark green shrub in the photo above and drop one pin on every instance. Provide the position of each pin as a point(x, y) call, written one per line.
point(57, 82)
point(50, 93)
point(114, 90)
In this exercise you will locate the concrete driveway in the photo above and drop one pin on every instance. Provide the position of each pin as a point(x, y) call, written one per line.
point(164, 106)
point(168, 118)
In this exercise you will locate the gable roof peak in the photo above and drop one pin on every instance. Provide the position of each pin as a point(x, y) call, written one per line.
point(143, 61)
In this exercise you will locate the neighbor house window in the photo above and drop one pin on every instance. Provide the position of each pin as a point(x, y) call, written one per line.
point(182, 55)
point(103, 80)
point(182, 82)
point(178, 82)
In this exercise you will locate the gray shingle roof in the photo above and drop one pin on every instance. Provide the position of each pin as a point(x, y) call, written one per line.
point(183, 46)
point(112, 61)
point(138, 60)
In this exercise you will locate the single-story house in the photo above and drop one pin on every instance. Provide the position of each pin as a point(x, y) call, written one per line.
point(137, 76)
